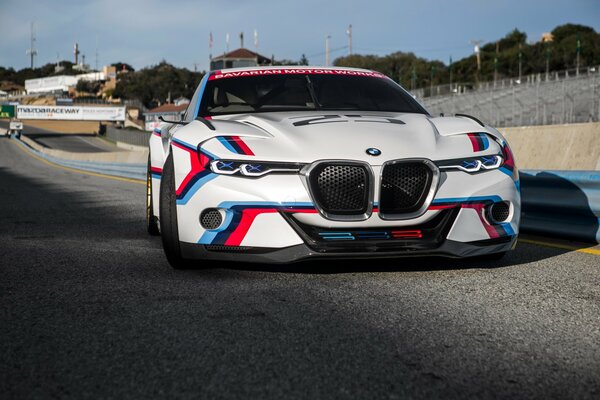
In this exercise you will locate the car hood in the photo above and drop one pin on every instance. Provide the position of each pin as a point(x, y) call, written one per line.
point(308, 136)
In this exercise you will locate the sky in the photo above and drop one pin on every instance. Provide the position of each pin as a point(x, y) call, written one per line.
point(144, 32)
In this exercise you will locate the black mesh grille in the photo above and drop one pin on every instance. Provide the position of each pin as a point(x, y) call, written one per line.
point(499, 212)
point(340, 188)
point(404, 187)
point(211, 219)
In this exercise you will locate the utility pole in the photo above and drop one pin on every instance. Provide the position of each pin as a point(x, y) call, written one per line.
point(349, 33)
point(32, 52)
point(520, 62)
point(413, 79)
point(242, 40)
point(76, 53)
point(547, 61)
point(431, 80)
point(450, 67)
point(578, 52)
point(496, 63)
point(327, 50)
point(477, 51)
point(96, 52)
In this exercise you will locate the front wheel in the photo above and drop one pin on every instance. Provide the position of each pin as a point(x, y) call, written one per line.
point(168, 217)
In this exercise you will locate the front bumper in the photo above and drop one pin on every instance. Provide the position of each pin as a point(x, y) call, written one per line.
point(301, 252)
point(273, 219)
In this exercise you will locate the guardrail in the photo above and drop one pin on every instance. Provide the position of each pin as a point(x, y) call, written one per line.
point(561, 203)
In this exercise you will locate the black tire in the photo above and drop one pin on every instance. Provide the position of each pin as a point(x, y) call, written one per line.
point(168, 217)
point(151, 220)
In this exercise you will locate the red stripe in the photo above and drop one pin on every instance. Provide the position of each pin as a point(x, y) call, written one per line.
point(242, 145)
point(154, 169)
point(415, 234)
point(301, 210)
point(474, 143)
point(491, 231)
point(441, 207)
point(195, 164)
point(248, 216)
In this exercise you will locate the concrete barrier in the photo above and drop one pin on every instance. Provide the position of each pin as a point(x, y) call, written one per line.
point(563, 204)
point(138, 156)
point(124, 170)
point(556, 147)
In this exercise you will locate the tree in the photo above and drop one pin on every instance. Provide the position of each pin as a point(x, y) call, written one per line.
point(154, 84)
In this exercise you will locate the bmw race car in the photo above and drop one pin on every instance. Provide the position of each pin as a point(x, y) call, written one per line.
point(280, 164)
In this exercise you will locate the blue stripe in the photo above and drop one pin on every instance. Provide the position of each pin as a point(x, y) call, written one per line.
point(508, 228)
point(485, 141)
point(155, 175)
point(467, 199)
point(231, 204)
point(202, 88)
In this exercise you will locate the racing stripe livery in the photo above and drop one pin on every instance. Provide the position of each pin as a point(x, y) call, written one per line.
point(278, 165)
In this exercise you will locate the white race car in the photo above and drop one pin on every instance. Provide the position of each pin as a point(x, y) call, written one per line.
point(281, 164)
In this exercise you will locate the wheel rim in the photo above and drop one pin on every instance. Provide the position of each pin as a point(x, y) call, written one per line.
point(148, 196)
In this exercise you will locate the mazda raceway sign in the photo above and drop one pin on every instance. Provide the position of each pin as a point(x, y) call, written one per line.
point(72, 113)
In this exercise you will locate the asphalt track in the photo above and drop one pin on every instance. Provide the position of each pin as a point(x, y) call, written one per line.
point(89, 308)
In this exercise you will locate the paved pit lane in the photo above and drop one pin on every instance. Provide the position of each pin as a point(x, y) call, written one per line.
point(89, 308)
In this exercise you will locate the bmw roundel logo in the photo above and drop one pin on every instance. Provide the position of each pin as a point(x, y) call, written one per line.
point(372, 151)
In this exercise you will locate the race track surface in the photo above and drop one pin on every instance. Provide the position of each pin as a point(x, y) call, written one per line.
point(77, 143)
point(89, 308)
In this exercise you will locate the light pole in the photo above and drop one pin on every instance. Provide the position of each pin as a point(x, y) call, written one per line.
point(327, 50)
point(520, 62)
point(578, 52)
point(349, 33)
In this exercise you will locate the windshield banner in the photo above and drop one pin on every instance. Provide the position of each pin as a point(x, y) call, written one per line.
point(293, 71)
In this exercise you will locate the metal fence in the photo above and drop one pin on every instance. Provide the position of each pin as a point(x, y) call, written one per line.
point(555, 98)
point(129, 136)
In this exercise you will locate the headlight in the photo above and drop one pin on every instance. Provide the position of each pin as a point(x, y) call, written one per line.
point(473, 164)
point(254, 169)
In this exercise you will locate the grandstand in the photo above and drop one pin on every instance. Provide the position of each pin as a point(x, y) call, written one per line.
point(557, 98)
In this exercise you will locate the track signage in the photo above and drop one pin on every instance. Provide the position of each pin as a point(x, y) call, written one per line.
point(72, 113)
point(7, 111)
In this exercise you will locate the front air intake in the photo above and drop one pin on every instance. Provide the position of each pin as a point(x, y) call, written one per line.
point(406, 186)
point(341, 189)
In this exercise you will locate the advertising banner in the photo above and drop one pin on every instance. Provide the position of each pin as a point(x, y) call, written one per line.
point(7, 111)
point(72, 113)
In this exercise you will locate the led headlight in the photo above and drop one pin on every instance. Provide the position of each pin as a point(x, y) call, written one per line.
point(473, 164)
point(254, 169)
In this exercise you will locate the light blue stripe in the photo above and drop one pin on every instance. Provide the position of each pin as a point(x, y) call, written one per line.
point(202, 88)
point(508, 228)
point(230, 204)
point(209, 236)
point(227, 145)
point(465, 199)
point(195, 188)
point(485, 140)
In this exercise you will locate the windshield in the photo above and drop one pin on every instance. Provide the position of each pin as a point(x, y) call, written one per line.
point(300, 92)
